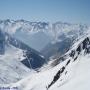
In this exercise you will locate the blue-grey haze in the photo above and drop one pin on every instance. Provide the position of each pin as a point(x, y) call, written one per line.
point(76, 11)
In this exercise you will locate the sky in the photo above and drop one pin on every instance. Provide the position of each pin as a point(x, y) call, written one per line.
point(74, 11)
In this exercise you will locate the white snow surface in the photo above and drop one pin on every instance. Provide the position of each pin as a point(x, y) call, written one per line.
point(76, 78)
point(11, 69)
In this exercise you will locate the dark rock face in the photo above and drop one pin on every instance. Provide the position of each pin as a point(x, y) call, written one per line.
point(33, 60)
point(75, 58)
point(85, 45)
point(78, 49)
point(57, 76)
point(72, 53)
point(85, 42)
point(2, 43)
point(68, 62)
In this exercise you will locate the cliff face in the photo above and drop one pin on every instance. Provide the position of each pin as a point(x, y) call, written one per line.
point(2, 43)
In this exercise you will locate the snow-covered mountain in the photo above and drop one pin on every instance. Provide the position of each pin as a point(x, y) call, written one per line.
point(72, 73)
point(27, 31)
point(33, 59)
point(17, 60)
point(69, 70)
point(11, 69)
point(64, 35)
point(43, 35)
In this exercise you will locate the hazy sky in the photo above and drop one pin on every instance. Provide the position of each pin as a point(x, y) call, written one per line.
point(46, 10)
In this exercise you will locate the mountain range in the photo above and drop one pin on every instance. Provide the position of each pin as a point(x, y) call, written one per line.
point(44, 56)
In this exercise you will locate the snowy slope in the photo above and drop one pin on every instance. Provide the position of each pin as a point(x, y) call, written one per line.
point(72, 73)
point(81, 77)
point(11, 69)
